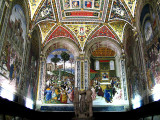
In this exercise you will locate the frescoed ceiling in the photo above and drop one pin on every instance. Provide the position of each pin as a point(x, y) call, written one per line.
point(82, 20)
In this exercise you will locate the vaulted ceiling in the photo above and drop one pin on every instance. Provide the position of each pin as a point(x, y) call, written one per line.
point(81, 20)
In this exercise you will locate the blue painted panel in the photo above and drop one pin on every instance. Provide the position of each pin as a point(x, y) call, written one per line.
point(95, 109)
point(57, 108)
point(109, 109)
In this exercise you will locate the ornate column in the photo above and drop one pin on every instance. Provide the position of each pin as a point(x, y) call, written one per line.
point(41, 78)
point(82, 72)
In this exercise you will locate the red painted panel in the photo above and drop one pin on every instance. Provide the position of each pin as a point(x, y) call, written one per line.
point(104, 61)
point(61, 32)
point(103, 31)
point(82, 13)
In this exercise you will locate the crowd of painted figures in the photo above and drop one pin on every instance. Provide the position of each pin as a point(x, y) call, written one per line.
point(62, 93)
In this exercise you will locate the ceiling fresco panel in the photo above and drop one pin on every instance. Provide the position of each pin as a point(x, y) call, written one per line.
point(61, 32)
point(103, 31)
point(46, 12)
point(33, 6)
point(118, 11)
point(131, 5)
point(45, 29)
point(118, 28)
point(82, 31)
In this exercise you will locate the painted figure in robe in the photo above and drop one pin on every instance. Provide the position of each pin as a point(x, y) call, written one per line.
point(48, 93)
point(107, 94)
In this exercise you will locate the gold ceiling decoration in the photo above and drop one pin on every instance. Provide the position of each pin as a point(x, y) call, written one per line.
point(45, 29)
point(118, 28)
point(103, 52)
point(82, 31)
point(33, 6)
point(82, 17)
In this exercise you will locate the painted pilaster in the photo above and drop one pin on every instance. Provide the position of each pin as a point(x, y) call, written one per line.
point(78, 73)
point(82, 73)
point(86, 74)
point(123, 76)
point(41, 82)
point(117, 63)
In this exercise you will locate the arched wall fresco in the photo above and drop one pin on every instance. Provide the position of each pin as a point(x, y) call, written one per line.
point(60, 77)
point(17, 56)
point(14, 52)
point(151, 40)
point(104, 78)
point(143, 42)
point(13, 48)
point(58, 81)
